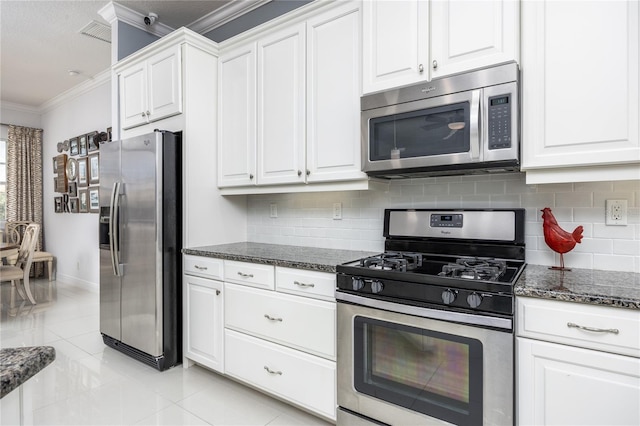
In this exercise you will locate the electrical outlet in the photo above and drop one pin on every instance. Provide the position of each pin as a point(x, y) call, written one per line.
point(273, 210)
point(337, 211)
point(615, 212)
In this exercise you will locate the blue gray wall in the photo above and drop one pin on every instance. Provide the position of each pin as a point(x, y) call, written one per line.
point(132, 39)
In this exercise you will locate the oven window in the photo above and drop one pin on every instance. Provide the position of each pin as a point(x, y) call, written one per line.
point(432, 131)
point(430, 372)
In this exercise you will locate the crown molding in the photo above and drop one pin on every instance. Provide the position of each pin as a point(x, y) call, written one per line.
point(76, 91)
point(115, 11)
point(224, 14)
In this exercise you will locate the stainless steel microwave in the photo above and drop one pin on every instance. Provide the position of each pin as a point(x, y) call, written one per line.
point(460, 124)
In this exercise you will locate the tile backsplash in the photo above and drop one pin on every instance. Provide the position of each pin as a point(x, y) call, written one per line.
point(306, 219)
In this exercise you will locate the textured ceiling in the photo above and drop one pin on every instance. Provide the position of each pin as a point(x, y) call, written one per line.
point(40, 43)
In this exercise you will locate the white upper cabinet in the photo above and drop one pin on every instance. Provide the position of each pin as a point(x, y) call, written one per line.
point(395, 43)
point(151, 89)
point(580, 102)
point(473, 34)
point(237, 117)
point(281, 106)
point(333, 95)
point(405, 43)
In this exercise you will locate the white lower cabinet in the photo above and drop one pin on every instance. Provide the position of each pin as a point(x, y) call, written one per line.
point(577, 364)
point(306, 380)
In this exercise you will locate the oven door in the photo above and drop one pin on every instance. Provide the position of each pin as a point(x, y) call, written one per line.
point(404, 368)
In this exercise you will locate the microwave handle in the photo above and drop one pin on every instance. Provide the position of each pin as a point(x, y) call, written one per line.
point(475, 124)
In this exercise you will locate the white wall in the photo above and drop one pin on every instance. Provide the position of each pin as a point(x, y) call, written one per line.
point(18, 115)
point(73, 237)
point(306, 219)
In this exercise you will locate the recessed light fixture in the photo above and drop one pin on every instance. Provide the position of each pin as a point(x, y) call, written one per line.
point(73, 73)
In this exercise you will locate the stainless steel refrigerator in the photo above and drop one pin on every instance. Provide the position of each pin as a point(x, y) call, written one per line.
point(140, 244)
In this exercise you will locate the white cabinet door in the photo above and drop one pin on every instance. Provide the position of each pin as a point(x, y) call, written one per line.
point(564, 385)
point(151, 89)
point(580, 101)
point(165, 84)
point(237, 117)
point(395, 43)
point(472, 34)
point(333, 95)
point(281, 106)
point(204, 322)
point(133, 95)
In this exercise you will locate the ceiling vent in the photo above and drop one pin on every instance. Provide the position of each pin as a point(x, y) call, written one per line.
point(97, 30)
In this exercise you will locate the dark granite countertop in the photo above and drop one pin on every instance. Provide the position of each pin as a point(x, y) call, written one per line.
point(591, 286)
point(17, 365)
point(311, 258)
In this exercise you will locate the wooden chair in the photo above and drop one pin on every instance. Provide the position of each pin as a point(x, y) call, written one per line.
point(19, 273)
point(13, 234)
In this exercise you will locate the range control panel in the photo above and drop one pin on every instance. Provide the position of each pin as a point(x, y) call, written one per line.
point(499, 122)
point(446, 220)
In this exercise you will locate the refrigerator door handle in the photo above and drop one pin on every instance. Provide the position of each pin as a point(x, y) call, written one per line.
point(114, 237)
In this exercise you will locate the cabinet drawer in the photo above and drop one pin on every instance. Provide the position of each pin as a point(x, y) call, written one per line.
point(562, 322)
point(207, 267)
point(301, 378)
point(253, 274)
point(299, 322)
point(321, 285)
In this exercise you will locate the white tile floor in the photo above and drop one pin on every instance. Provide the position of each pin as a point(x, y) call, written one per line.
point(90, 383)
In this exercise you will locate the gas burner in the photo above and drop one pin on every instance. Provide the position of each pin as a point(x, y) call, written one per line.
point(393, 261)
point(474, 268)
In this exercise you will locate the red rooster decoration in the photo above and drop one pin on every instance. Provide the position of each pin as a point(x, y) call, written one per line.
point(557, 238)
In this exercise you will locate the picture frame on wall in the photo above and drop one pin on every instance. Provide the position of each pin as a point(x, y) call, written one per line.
point(58, 204)
point(94, 199)
point(83, 173)
point(93, 141)
point(73, 146)
point(83, 201)
point(73, 189)
point(82, 145)
point(73, 205)
point(94, 168)
point(61, 182)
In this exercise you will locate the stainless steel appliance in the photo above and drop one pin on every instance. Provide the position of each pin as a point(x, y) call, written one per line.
point(140, 243)
point(459, 124)
point(425, 329)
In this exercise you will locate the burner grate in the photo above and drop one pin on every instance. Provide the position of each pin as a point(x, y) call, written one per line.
point(474, 268)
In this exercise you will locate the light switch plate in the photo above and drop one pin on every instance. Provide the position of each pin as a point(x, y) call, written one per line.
point(273, 210)
point(337, 211)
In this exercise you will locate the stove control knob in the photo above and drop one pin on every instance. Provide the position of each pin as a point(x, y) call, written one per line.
point(474, 300)
point(448, 296)
point(376, 286)
point(357, 283)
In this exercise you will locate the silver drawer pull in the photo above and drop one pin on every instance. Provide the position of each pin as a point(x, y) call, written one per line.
point(298, 283)
point(243, 275)
point(201, 268)
point(595, 330)
point(270, 371)
point(270, 318)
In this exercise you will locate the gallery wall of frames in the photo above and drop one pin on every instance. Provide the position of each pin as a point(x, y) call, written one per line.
point(76, 173)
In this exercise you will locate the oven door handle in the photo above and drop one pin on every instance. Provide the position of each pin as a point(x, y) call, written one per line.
point(475, 120)
point(437, 314)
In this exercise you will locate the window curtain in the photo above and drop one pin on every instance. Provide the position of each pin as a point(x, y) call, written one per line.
point(24, 179)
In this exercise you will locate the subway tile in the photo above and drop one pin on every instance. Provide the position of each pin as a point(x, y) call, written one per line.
point(613, 263)
point(574, 199)
point(462, 188)
point(626, 247)
point(539, 200)
point(491, 187)
point(505, 201)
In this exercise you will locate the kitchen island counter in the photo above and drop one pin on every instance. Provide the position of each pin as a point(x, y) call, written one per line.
point(18, 365)
point(590, 286)
point(298, 257)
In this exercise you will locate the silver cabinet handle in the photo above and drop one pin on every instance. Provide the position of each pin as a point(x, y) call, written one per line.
point(200, 268)
point(308, 172)
point(270, 318)
point(595, 330)
point(270, 371)
point(243, 275)
point(298, 283)
point(421, 68)
point(217, 292)
point(250, 177)
point(299, 173)
point(435, 64)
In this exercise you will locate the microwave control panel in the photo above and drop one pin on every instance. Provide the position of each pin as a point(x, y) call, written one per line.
point(499, 122)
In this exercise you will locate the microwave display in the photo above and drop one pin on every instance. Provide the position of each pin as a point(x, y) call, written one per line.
point(422, 133)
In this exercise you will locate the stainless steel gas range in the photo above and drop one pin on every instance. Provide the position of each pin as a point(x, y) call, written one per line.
point(425, 329)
